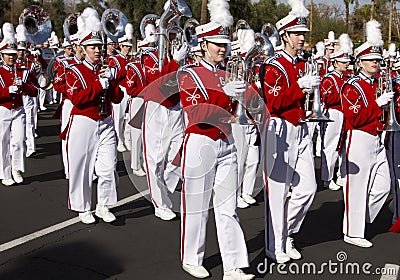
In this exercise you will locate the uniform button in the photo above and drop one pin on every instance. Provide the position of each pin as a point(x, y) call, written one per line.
point(218, 85)
point(216, 75)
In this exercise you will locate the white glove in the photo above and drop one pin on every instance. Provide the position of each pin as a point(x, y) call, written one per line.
point(234, 88)
point(104, 83)
point(309, 81)
point(12, 89)
point(18, 81)
point(106, 73)
point(181, 54)
point(385, 98)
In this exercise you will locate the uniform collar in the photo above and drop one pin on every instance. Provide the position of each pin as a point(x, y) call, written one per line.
point(8, 67)
point(91, 66)
point(367, 79)
point(290, 58)
point(209, 66)
point(337, 74)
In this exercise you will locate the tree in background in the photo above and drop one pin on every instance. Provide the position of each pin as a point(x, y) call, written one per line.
point(347, 13)
point(256, 13)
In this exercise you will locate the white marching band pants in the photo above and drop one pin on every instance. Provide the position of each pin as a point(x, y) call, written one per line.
point(12, 147)
point(292, 167)
point(330, 135)
point(162, 131)
point(65, 114)
point(367, 183)
point(119, 116)
point(29, 107)
point(393, 156)
point(135, 103)
point(247, 156)
point(91, 148)
point(209, 169)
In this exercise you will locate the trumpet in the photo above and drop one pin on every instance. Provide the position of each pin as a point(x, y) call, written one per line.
point(316, 114)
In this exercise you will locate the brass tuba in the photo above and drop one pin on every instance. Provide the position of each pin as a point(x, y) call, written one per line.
point(269, 30)
point(189, 32)
point(176, 8)
point(70, 25)
point(114, 22)
point(37, 23)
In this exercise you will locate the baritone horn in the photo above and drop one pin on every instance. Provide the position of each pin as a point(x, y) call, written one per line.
point(176, 9)
point(316, 111)
point(391, 123)
point(37, 23)
point(236, 70)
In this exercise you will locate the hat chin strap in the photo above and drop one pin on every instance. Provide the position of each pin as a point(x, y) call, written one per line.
point(208, 53)
point(290, 41)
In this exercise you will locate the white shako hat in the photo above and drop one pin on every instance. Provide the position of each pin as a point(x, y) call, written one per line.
point(89, 28)
point(372, 48)
point(330, 42)
point(218, 29)
point(246, 39)
point(346, 49)
point(126, 40)
point(74, 39)
point(66, 43)
point(21, 37)
point(9, 44)
point(296, 20)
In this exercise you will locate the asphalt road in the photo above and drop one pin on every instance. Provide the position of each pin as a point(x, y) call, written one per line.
point(140, 246)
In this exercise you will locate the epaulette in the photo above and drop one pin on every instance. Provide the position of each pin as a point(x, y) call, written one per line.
point(396, 80)
point(353, 80)
point(148, 50)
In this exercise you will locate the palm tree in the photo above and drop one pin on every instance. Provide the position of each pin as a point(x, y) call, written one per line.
point(203, 13)
point(347, 4)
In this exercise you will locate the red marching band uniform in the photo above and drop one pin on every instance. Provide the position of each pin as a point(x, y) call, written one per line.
point(14, 82)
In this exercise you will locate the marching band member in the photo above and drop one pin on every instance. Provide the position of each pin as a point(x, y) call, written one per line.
point(134, 83)
point(91, 140)
point(293, 164)
point(393, 149)
point(162, 127)
point(247, 139)
point(329, 48)
point(60, 85)
point(111, 48)
point(119, 63)
point(209, 164)
point(330, 88)
point(366, 166)
point(29, 103)
point(13, 83)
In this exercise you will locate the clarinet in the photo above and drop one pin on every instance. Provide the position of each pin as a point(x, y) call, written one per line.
point(103, 103)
